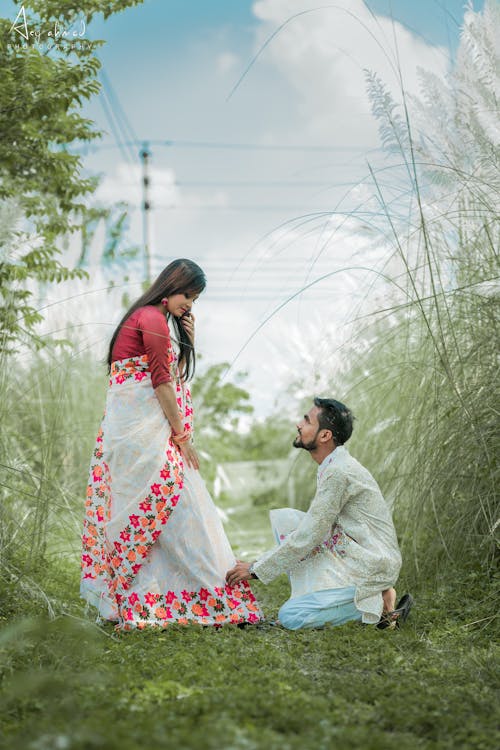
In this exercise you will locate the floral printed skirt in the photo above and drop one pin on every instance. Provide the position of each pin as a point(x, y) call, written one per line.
point(154, 548)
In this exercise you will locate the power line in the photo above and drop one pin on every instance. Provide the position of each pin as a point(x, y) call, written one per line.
point(108, 112)
point(172, 143)
point(123, 130)
point(211, 207)
point(255, 183)
point(127, 128)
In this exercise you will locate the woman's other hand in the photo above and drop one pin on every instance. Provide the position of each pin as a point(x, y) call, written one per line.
point(189, 455)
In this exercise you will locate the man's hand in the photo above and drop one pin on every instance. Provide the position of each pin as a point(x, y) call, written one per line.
point(240, 572)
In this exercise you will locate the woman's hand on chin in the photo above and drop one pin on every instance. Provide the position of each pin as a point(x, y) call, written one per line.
point(187, 322)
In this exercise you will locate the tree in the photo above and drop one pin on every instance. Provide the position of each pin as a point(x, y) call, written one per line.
point(45, 79)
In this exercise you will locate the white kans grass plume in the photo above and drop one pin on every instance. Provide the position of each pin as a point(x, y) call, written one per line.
point(427, 385)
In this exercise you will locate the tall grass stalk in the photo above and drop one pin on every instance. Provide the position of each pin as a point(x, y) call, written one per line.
point(50, 408)
point(426, 387)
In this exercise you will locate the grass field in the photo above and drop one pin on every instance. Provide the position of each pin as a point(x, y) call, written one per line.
point(71, 684)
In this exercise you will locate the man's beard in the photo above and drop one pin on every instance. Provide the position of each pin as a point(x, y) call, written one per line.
point(311, 446)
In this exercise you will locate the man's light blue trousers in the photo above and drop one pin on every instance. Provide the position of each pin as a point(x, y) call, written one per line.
point(332, 606)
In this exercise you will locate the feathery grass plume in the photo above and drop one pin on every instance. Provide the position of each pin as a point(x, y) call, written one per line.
point(46, 440)
point(426, 390)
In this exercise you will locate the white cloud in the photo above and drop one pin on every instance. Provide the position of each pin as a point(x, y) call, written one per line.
point(125, 184)
point(307, 87)
point(323, 55)
point(226, 62)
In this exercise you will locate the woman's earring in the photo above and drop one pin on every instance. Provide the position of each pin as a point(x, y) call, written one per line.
point(164, 301)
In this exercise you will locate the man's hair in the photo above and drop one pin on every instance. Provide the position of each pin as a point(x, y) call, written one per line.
point(336, 417)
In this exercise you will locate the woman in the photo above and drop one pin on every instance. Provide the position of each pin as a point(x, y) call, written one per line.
point(154, 550)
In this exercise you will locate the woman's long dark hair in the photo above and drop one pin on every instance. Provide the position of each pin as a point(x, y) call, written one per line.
point(179, 277)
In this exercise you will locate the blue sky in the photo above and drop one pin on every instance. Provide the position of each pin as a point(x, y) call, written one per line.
point(304, 110)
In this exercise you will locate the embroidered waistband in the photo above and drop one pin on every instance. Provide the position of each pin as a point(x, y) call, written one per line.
point(125, 369)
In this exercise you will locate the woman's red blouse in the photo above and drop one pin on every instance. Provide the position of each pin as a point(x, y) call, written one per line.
point(146, 332)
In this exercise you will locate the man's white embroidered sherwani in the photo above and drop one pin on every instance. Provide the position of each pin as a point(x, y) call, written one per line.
point(346, 538)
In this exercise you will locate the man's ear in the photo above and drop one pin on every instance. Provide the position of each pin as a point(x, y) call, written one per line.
point(326, 435)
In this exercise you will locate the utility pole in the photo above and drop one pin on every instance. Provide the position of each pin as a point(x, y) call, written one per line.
point(145, 154)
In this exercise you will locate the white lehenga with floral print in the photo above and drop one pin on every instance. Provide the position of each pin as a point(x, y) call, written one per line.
point(154, 549)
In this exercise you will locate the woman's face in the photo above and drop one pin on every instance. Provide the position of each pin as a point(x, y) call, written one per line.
point(178, 304)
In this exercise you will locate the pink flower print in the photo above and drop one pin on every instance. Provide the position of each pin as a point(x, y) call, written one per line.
point(118, 546)
point(133, 598)
point(174, 500)
point(204, 611)
point(151, 598)
point(155, 489)
point(100, 513)
point(218, 591)
point(186, 595)
point(145, 506)
point(170, 597)
point(156, 534)
point(136, 568)
point(165, 474)
point(87, 559)
point(139, 376)
point(168, 613)
point(179, 402)
point(129, 614)
point(253, 618)
point(203, 594)
point(125, 536)
point(120, 379)
point(134, 520)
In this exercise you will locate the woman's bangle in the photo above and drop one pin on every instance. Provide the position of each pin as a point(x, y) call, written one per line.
point(181, 437)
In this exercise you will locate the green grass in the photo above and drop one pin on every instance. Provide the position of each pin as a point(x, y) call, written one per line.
point(421, 376)
point(70, 684)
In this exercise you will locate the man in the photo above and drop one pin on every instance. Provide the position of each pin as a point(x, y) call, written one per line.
point(342, 556)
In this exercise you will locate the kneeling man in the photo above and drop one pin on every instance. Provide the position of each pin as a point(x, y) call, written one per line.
point(342, 556)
